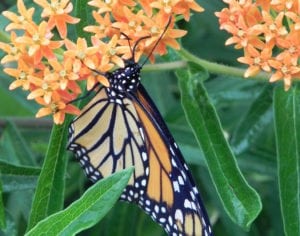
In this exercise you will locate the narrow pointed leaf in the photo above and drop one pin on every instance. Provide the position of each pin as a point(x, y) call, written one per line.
point(287, 126)
point(240, 201)
point(256, 117)
point(81, 13)
point(86, 211)
point(2, 212)
point(14, 147)
point(9, 169)
point(49, 194)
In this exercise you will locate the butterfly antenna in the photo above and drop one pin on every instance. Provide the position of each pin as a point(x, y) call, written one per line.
point(128, 40)
point(155, 45)
point(135, 45)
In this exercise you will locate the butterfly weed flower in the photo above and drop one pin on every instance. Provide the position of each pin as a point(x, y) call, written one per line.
point(268, 33)
point(57, 13)
point(43, 60)
point(32, 59)
point(182, 7)
point(19, 21)
point(38, 42)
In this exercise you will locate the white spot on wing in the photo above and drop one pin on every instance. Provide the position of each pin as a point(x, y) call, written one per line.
point(156, 209)
point(170, 220)
point(142, 133)
point(180, 180)
point(187, 204)
point(179, 215)
point(176, 186)
point(172, 151)
point(144, 156)
point(119, 101)
point(173, 162)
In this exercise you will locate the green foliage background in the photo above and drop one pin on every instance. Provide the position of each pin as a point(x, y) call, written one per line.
point(234, 133)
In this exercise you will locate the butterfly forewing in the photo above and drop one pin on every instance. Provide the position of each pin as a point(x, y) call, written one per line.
point(111, 141)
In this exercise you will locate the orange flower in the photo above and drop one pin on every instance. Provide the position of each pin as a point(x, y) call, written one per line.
point(38, 41)
point(294, 16)
point(80, 53)
point(291, 44)
point(104, 6)
point(132, 24)
point(62, 73)
point(52, 70)
point(104, 27)
point(156, 26)
point(184, 7)
point(19, 22)
point(168, 6)
point(146, 5)
point(268, 31)
point(21, 75)
point(285, 69)
point(94, 78)
point(58, 13)
point(57, 108)
point(110, 52)
point(44, 86)
point(111, 5)
point(282, 5)
point(273, 28)
point(85, 60)
point(181, 7)
point(242, 34)
point(15, 51)
point(256, 59)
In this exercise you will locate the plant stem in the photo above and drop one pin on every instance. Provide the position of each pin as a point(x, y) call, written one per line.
point(216, 68)
point(211, 67)
point(165, 66)
point(4, 37)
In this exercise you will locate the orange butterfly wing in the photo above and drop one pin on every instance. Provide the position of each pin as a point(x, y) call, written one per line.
point(170, 182)
point(121, 127)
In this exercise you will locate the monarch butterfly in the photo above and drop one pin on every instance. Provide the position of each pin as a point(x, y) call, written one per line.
point(121, 127)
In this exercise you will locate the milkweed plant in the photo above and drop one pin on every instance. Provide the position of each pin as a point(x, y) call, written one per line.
point(234, 110)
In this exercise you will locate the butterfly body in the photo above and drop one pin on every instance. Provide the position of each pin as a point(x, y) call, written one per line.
point(125, 129)
point(125, 80)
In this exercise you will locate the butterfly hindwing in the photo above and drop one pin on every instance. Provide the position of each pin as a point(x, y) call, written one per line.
point(185, 213)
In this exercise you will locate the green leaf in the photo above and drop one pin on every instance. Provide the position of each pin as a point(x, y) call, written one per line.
point(2, 213)
point(287, 126)
point(9, 169)
point(18, 178)
point(254, 120)
point(13, 183)
point(12, 101)
point(49, 195)
point(81, 13)
point(86, 211)
point(241, 202)
point(14, 147)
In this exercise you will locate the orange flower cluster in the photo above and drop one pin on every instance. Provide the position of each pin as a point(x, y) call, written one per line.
point(51, 70)
point(268, 32)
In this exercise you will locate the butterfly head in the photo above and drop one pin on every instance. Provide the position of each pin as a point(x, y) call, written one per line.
point(125, 79)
